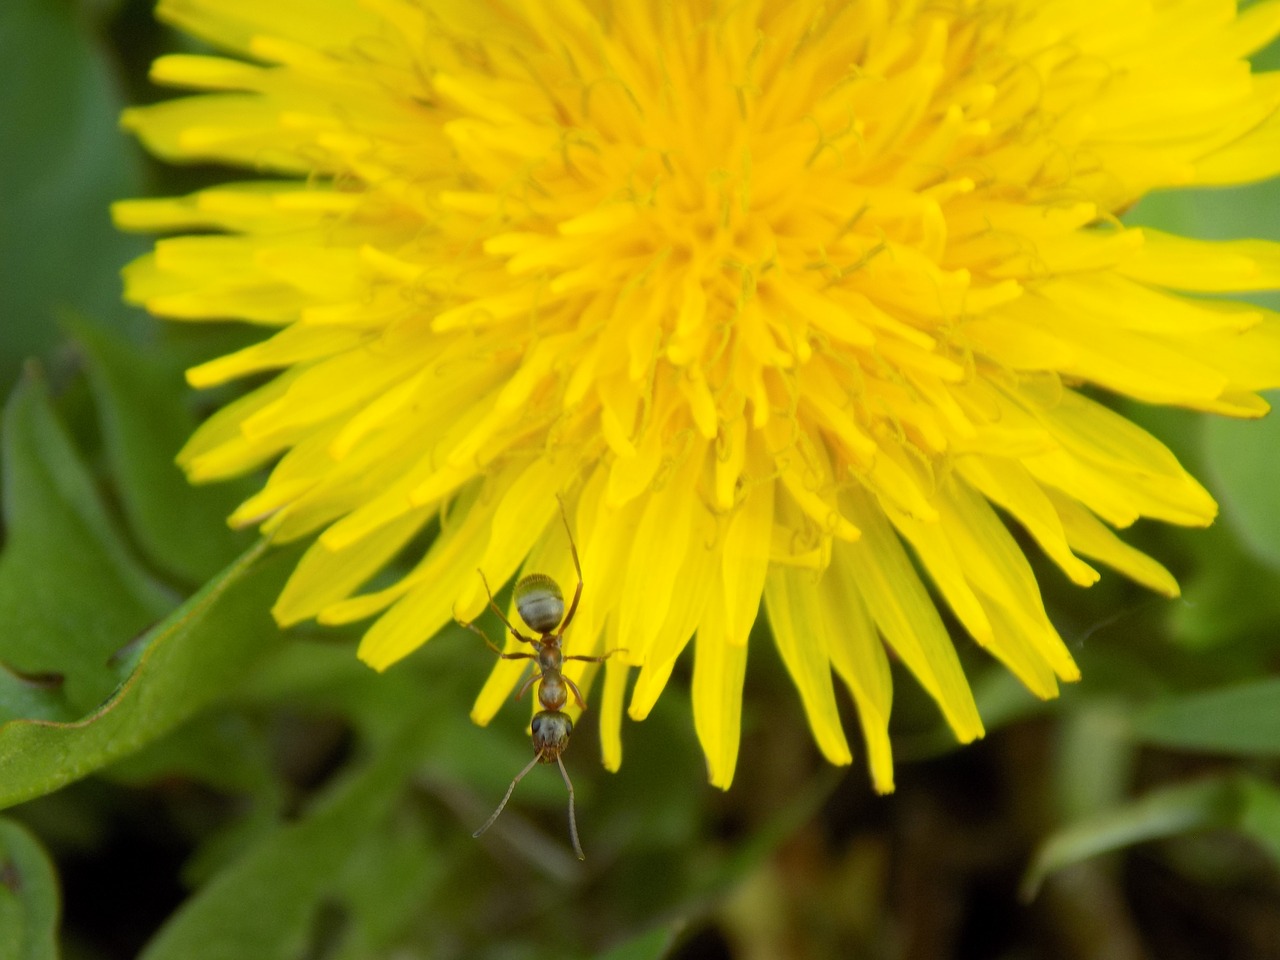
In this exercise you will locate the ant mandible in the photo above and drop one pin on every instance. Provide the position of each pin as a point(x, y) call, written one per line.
point(541, 605)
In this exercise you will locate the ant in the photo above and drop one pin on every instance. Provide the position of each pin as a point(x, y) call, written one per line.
point(541, 605)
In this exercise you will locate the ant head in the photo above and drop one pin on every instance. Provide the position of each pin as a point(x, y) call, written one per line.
point(540, 602)
point(551, 730)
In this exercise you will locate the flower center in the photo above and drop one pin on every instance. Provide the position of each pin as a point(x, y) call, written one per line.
point(728, 234)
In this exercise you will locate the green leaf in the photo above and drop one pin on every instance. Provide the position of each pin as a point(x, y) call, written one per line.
point(63, 160)
point(1242, 719)
point(71, 593)
point(1259, 816)
point(37, 697)
point(28, 897)
point(648, 946)
point(1238, 802)
point(263, 905)
point(202, 651)
point(221, 749)
point(387, 879)
point(321, 676)
point(1230, 594)
point(145, 421)
point(1212, 213)
point(1094, 757)
point(1240, 456)
point(229, 843)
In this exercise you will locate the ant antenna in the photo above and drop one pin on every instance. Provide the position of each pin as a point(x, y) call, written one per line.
point(510, 790)
point(573, 820)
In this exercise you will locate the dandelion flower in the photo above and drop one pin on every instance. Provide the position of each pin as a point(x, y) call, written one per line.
point(795, 302)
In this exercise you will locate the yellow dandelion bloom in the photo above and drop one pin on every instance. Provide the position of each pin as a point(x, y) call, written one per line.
point(784, 298)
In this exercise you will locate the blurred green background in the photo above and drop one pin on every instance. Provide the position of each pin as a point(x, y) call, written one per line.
point(183, 781)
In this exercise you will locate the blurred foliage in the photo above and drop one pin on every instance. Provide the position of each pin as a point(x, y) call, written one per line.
point(211, 788)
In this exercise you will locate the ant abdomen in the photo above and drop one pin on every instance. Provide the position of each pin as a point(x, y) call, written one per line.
point(539, 602)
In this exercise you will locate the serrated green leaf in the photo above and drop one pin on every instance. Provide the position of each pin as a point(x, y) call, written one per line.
point(63, 160)
point(261, 907)
point(1238, 802)
point(71, 593)
point(39, 698)
point(200, 652)
point(29, 903)
point(145, 421)
point(1240, 456)
point(1242, 719)
point(648, 946)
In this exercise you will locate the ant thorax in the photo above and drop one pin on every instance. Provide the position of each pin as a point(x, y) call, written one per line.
point(550, 656)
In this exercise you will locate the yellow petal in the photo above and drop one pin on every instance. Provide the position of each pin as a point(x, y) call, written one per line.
point(323, 576)
point(906, 615)
point(657, 548)
point(858, 655)
point(719, 667)
point(694, 582)
point(799, 631)
point(616, 672)
point(1091, 537)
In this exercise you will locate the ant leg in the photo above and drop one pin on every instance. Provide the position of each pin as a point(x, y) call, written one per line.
point(483, 636)
point(528, 683)
point(577, 694)
point(502, 616)
point(600, 659)
point(494, 647)
point(511, 789)
point(573, 820)
point(573, 549)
